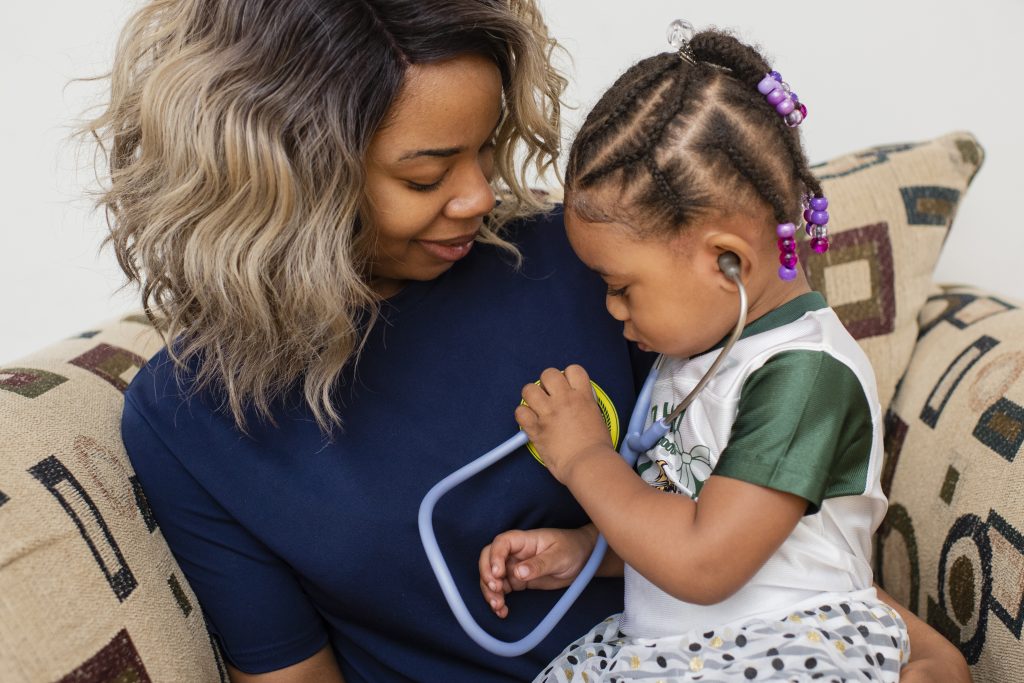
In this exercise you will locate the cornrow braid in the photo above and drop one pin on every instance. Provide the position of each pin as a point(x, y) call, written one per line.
point(725, 139)
point(675, 140)
point(639, 86)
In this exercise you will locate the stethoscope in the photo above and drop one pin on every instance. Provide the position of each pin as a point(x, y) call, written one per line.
point(637, 440)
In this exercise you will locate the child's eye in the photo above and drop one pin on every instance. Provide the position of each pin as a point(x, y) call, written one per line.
point(612, 291)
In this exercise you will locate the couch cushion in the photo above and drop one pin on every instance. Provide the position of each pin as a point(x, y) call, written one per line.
point(952, 545)
point(89, 590)
point(890, 210)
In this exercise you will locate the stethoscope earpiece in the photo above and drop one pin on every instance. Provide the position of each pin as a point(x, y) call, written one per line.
point(729, 263)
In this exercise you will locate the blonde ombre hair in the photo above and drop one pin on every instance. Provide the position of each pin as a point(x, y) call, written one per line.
point(234, 143)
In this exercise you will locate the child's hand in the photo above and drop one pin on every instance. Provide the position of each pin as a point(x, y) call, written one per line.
point(562, 418)
point(538, 558)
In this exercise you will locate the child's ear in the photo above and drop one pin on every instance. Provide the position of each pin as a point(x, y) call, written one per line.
point(717, 243)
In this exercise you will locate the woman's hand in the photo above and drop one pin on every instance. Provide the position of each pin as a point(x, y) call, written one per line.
point(538, 558)
point(562, 419)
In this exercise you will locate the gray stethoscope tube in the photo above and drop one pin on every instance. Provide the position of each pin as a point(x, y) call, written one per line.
point(637, 440)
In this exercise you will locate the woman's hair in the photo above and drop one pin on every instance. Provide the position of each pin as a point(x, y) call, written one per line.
point(235, 140)
point(676, 141)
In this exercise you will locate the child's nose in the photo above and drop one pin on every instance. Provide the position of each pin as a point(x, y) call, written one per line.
point(617, 308)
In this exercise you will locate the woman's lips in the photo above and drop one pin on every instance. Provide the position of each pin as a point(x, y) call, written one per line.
point(449, 250)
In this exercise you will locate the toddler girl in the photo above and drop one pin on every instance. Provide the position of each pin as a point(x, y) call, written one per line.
point(745, 540)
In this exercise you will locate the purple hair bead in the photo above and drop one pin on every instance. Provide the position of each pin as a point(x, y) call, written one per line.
point(819, 203)
point(766, 85)
point(819, 217)
point(810, 228)
point(776, 75)
point(785, 230)
point(785, 107)
point(786, 273)
point(807, 216)
point(776, 96)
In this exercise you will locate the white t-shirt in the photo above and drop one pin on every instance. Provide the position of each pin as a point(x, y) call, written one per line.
point(793, 408)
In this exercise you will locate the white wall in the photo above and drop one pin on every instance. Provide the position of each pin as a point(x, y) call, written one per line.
point(871, 72)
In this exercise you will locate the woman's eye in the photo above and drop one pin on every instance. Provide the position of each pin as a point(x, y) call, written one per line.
point(612, 291)
point(420, 187)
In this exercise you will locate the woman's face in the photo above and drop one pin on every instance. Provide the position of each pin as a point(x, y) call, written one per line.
point(429, 169)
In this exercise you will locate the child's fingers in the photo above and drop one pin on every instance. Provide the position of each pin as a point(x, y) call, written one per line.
point(554, 382)
point(535, 396)
point(526, 418)
point(577, 377)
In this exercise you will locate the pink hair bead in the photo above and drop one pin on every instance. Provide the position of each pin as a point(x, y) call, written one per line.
point(819, 245)
point(788, 258)
point(787, 244)
point(786, 273)
point(785, 230)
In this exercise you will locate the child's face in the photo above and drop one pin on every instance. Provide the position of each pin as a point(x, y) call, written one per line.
point(666, 291)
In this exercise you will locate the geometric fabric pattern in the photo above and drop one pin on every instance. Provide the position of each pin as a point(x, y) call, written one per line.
point(860, 161)
point(113, 364)
point(859, 257)
point(119, 661)
point(930, 205)
point(960, 309)
point(28, 382)
point(79, 506)
point(1001, 428)
point(956, 488)
point(890, 210)
point(951, 378)
point(89, 591)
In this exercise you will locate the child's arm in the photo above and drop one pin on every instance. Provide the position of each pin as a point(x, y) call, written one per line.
point(539, 559)
point(700, 553)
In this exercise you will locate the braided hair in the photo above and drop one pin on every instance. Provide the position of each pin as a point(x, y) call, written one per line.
point(679, 140)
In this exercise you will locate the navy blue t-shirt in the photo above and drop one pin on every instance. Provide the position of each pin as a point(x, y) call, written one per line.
point(291, 541)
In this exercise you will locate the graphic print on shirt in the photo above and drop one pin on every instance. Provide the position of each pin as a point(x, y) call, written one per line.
point(671, 468)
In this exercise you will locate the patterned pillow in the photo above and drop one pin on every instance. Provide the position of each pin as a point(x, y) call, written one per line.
point(952, 545)
point(89, 590)
point(890, 209)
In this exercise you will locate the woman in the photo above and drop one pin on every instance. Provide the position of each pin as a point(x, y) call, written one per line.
point(303, 191)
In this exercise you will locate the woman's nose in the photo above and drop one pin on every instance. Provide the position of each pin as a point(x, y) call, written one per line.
point(474, 196)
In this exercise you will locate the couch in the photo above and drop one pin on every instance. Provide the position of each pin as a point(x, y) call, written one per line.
point(89, 590)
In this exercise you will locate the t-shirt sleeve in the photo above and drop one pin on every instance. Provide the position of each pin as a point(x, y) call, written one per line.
point(803, 426)
point(252, 601)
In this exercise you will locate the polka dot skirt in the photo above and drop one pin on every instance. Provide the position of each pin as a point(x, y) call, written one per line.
point(850, 640)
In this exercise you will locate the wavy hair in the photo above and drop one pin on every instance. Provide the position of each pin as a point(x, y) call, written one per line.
point(232, 155)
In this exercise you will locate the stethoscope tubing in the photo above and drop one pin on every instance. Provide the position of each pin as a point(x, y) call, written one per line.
point(637, 440)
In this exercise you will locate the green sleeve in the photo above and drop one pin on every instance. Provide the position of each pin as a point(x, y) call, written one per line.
point(803, 426)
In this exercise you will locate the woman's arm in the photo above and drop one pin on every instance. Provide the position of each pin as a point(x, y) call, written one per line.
point(933, 659)
point(320, 668)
